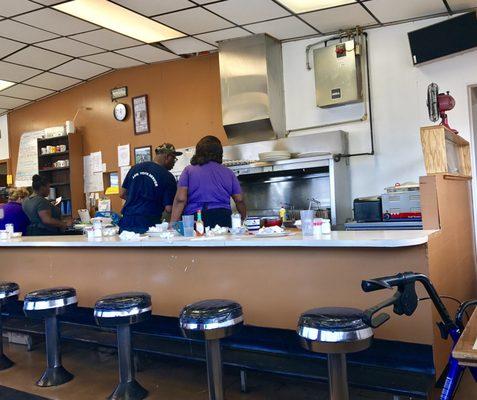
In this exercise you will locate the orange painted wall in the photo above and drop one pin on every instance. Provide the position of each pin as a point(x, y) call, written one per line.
point(184, 105)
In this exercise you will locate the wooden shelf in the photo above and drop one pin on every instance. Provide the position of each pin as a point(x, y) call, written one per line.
point(54, 154)
point(54, 169)
point(60, 184)
point(52, 139)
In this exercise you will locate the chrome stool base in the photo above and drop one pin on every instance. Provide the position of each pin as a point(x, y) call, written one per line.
point(338, 377)
point(129, 390)
point(54, 376)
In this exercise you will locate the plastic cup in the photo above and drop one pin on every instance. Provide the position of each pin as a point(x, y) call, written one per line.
point(188, 224)
point(307, 217)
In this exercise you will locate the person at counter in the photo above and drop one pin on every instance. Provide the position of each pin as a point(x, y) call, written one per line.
point(45, 218)
point(207, 185)
point(12, 212)
point(149, 189)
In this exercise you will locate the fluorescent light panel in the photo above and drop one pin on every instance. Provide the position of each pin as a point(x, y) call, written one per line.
point(5, 84)
point(301, 6)
point(119, 19)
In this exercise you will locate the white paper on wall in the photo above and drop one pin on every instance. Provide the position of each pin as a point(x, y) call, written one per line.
point(124, 155)
point(93, 181)
point(124, 172)
point(97, 161)
point(27, 164)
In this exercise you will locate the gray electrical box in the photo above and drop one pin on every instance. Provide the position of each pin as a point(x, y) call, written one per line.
point(337, 75)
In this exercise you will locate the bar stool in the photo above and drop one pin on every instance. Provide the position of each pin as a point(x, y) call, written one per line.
point(8, 292)
point(212, 320)
point(335, 331)
point(121, 311)
point(48, 304)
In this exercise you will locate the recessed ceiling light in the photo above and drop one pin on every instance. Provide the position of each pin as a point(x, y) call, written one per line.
point(119, 19)
point(5, 84)
point(300, 6)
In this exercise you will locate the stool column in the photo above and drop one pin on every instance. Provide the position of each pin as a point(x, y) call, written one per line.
point(126, 370)
point(5, 362)
point(53, 353)
point(338, 377)
point(214, 369)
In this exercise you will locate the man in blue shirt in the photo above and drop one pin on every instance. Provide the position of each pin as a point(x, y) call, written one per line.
point(149, 189)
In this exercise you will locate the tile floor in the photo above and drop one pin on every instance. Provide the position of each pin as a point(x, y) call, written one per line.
point(96, 376)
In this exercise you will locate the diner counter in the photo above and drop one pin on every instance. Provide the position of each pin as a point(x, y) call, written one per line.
point(383, 239)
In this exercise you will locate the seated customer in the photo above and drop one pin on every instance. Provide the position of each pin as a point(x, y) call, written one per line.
point(45, 218)
point(12, 213)
point(207, 185)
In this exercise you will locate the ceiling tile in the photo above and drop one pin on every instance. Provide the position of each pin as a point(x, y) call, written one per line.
point(23, 33)
point(10, 102)
point(70, 47)
point(9, 46)
point(283, 28)
point(52, 81)
point(248, 11)
point(11, 8)
point(148, 54)
point(106, 39)
point(26, 92)
point(113, 60)
point(457, 5)
point(217, 36)
point(2, 111)
point(187, 46)
point(154, 7)
point(16, 73)
point(385, 12)
point(334, 19)
point(194, 20)
point(80, 69)
point(37, 58)
point(55, 21)
point(204, 1)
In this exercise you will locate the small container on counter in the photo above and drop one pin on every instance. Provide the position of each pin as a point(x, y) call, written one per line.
point(236, 221)
point(326, 227)
point(317, 225)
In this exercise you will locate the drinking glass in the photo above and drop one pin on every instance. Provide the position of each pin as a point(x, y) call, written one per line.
point(188, 224)
point(307, 222)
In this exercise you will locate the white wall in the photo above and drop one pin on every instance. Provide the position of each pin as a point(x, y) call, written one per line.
point(398, 92)
point(4, 154)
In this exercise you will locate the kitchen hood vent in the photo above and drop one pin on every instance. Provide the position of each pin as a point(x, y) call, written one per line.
point(251, 80)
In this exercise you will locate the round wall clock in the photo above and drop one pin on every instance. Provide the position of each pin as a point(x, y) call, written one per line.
point(120, 111)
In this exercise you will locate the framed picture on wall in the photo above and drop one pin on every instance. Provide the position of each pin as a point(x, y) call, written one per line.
point(142, 154)
point(140, 114)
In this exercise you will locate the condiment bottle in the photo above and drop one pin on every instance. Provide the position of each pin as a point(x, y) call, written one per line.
point(317, 223)
point(282, 213)
point(199, 224)
point(326, 227)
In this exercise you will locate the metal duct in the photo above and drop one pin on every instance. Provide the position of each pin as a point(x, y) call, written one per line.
point(251, 80)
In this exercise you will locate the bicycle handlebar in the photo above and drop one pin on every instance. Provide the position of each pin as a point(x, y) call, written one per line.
point(388, 282)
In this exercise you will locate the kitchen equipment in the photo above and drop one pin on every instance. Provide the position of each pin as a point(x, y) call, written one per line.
point(368, 209)
point(438, 104)
point(338, 74)
point(401, 205)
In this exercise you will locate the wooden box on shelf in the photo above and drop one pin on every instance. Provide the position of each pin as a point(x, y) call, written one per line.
point(445, 152)
point(60, 160)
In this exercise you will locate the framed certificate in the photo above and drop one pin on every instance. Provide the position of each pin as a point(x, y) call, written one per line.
point(140, 114)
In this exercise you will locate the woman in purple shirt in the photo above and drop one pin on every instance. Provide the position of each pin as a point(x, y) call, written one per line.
point(12, 213)
point(207, 185)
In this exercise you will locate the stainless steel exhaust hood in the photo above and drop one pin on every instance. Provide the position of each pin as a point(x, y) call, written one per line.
point(251, 80)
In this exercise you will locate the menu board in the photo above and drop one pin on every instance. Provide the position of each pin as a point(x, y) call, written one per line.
point(27, 164)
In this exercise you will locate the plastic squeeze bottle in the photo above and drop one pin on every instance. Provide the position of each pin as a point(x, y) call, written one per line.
point(199, 224)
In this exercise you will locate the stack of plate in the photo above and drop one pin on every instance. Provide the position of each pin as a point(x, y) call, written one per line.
point(274, 156)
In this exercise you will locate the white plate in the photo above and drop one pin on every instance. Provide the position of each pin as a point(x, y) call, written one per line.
point(274, 155)
point(312, 154)
point(272, 235)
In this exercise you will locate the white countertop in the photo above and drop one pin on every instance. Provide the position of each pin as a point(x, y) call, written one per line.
point(388, 239)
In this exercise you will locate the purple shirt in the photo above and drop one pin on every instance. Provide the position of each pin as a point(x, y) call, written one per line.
point(209, 185)
point(12, 213)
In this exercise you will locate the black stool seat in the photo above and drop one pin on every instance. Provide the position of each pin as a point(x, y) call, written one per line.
point(8, 290)
point(51, 301)
point(123, 308)
point(211, 319)
point(334, 330)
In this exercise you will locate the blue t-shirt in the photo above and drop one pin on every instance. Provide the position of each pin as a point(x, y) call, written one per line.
point(150, 188)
